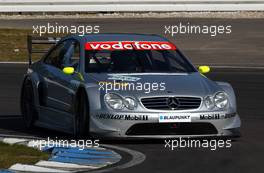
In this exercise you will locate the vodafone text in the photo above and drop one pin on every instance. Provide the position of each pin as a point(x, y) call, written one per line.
point(129, 45)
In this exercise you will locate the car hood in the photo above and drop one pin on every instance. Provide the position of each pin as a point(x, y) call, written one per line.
point(181, 84)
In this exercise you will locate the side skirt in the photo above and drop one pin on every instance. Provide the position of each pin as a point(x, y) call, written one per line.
point(55, 119)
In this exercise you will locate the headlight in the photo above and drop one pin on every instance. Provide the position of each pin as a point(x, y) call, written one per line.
point(220, 100)
point(209, 102)
point(117, 102)
point(130, 103)
point(114, 101)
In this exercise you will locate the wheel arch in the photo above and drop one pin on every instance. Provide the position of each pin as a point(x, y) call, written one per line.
point(36, 81)
point(27, 80)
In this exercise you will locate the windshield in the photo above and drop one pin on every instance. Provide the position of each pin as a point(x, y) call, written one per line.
point(133, 60)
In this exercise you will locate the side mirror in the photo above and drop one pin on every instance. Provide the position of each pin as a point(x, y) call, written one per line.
point(68, 70)
point(204, 69)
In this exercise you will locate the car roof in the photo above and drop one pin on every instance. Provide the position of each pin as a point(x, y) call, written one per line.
point(123, 37)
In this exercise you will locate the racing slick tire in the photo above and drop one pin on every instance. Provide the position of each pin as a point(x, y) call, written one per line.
point(27, 104)
point(81, 116)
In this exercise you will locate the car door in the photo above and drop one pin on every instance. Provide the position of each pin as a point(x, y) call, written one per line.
point(59, 88)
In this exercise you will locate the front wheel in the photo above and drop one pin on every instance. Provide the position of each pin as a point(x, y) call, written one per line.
point(28, 109)
point(81, 117)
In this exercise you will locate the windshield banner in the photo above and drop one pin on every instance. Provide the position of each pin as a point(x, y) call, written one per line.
point(129, 45)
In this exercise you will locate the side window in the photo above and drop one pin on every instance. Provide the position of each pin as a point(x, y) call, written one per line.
point(65, 54)
point(55, 57)
point(72, 56)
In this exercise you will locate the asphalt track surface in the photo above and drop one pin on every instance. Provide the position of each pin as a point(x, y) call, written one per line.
point(243, 47)
point(245, 155)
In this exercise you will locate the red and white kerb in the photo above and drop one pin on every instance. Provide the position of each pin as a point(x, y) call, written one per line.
point(129, 45)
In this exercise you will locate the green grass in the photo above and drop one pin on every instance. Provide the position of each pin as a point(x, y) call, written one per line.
point(13, 45)
point(11, 154)
point(12, 40)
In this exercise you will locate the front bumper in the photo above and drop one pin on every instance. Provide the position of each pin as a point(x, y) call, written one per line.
point(115, 124)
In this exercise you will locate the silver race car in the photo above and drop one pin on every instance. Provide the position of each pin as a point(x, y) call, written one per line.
point(124, 85)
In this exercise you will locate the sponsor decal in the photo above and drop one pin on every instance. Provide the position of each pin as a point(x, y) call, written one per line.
point(123, 117)
point(101, 83)
point(210, 116)
point(216, 116)
point(123, 78)
point(174, 118)
point(129, 45)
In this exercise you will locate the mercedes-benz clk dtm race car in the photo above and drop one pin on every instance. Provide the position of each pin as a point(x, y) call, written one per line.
point(124, 85)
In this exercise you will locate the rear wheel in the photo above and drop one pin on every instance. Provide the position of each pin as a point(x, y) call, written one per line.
point(28, 109)
point(81, 117)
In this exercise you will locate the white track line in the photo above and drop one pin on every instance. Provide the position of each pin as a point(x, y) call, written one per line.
point(31, 168)
point(63, 165)
point(14, 140)
point(29, 138)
